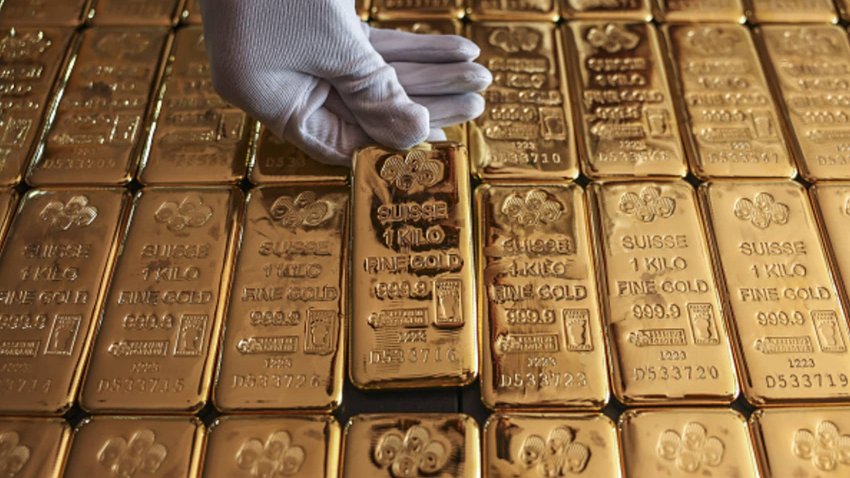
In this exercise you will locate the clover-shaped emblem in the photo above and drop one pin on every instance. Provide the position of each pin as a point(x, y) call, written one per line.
point(612, 38)
point(414, 169)
point(713, 40)
point(807, 42)
point(557, 456)
point(190, 212)
point(123, 44)
point(411, 454)
point(64, 216)
point(763, 211)
point(692, 449)
point(302, 210)
point(826, 448)
point(648, 204)
point(13, 455)
point(515, 39)
point(275, 458)
point(533, 208)
point(140, 454)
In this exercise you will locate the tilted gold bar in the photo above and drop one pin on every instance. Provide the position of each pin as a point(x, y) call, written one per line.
point(274, 160)
point(34, 447)
point(197, 137)
point(811, 67)
point(785, 313)
point(792, 11)
point(44, 13)
point(308, 447)
point(733, 124)
point(416, 9)
point(626, 120)
point(640, 10)
point(8, 199)
point(192, 12)
point(413, 322)
point(283, 346)
point(56, 263)
point(158, 338)
point(137, 13)
point(542, 340)
point(832, 204)
point(524, 132)
point(542, 10)
point(376, 445)
point(695, 11)
point(101, 117)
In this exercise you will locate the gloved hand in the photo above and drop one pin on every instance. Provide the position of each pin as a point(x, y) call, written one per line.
point(317, 76)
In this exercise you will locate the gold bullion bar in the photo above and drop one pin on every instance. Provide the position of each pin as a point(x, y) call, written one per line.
point(416, 9)
point(686, 442)
point(192, 12)
point(274, 160)
point(164, 447)
point(309, 447)
point(733, 126)
point(832, 203)
point(102, 115)
point(524, 131)
point(792, 11)
point(284, 341)
point(625, 114)
point(664, 318)
point(136, 13)
point(158, 338)
point(34, 447)
point(811, 67)
point(377, 444)
point(56, 263)
point(543, 10)
point(640, 10)
point(787, 319)
point(44, 13)
point(531, 446)
point(197, 137)
point(695, 11)
point(542, 340)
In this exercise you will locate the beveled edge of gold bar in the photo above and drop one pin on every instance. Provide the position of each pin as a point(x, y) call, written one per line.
point(642, 14)
point(96, 19)
point(11, 211)
point(474, 14)
point(818, 15)
point(376, 12)
point(664, 16)
point(826, 239)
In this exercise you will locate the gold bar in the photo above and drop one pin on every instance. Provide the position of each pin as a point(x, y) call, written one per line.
point(197, 137)
point(137, 13)
point(362, 7)
point(733, 127)
point(635, 10)
point(686, 442)
point(783, 305)
point(540, 445)
point(56, 263)
point(137, 447)
point(812, 76)
point(542, 337)
point(44, 13)
point(34, 447)
point(274, 160)
point(397, 445)
point(413, 322)
point(697, 11)
point(417, 9)
point(158, 338)
point(297, 446)
point(524, 132)
point(542, 10)
point(192, 12)
point(792, 11)
point(284, 343)
point(832, 206)
point(102, 115)
point(663, 313)
point(626, 119)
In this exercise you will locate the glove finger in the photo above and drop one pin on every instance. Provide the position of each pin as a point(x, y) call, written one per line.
point(450, 110)
point(428, 79)
point(437, 134)
point(326, 137)
point(395, 45)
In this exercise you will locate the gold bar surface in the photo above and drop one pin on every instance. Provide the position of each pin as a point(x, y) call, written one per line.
point(56, 262)
point(8, 199)
point(305, 447)
point(362, 7)
point(792, 11)
point(783, 306)
point(811, 67)
point(137, 13)
point(639, 10)
point(283, 346)
point(542, 10)
point(274, 160)
point(843, 9)
point(686, 442)
point(413, 316)
point(44, 13)
point(161, 447)
point(158, 338)
point(832, 204)
point(197, 137)
point(33, 447)
point(542, 339)
point(192, 12)
point(416, 9)
point(534, 446)
point(627, 124)
point(102, 115)
point(696, 11)
point(733, 124)
point(444, 445)
point(524, 132)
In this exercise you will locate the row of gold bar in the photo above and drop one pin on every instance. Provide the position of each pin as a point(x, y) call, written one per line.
point(123, 13)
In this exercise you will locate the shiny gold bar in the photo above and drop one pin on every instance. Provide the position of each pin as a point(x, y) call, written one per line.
point(626, 119)
point(197, 137)
point(44, 13)
point(136, 13)
point(635, 10)
point(832, 205)
point(56, 263)
point(790, 329)
point(697, 11)
point(532, 446)
point(398, 445)
point(416, 9)
point(306, 447)
point(733, 124)
point(792, 11)
point(95, 138)
point(33, 447)
point(192, 12)
point(542, 340)
point(524, 132)
point(164, 447)
point(812, 75)
point(274, 160)
point(526, 10)
point(664, 318)
point(158, 338)
point(284, 342)
point(413, 322)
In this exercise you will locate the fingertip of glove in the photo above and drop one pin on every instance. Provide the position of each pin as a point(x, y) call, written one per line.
point(408, 126)
point(478, 77)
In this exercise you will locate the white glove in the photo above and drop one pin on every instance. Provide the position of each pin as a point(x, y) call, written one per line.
point(317, 76)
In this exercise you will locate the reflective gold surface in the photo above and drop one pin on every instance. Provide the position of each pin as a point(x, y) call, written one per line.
point(283, 345)
point(544, 10)
point(137, 12)
point(832, 203)
point(789, 325)
point(158, 338)
point(627, 125)
point(274, 160)
point(608, 9)
point(362, 7)
point(843, 8)
point(416, 9)
point(734, 125)
point(43, 13)
point(192, 12)
point(542, 341)
point(665, 323)
point(792, 11)
point(700, 11)
point(33, 447)
point(8, 199)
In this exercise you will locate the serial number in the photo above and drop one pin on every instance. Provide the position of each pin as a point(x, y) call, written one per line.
point(142, 385)
point(276, 380)
point(419, 355)
point(654, 373)
point(543, 379)
point(806, 380)
point(24, 385)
